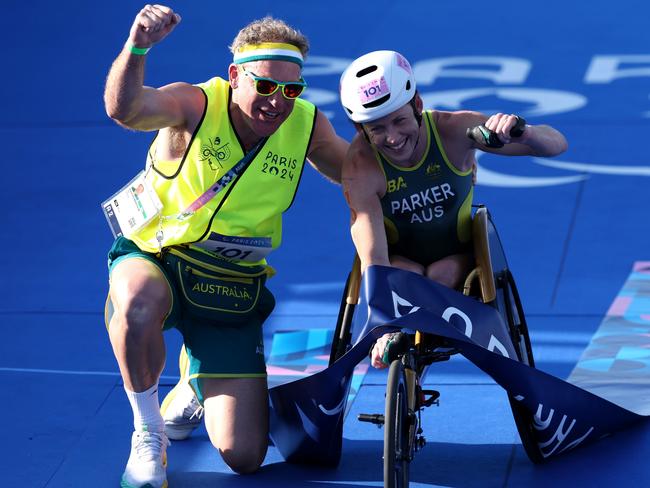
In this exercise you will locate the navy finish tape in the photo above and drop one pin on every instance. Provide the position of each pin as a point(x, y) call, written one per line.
point(307, 415)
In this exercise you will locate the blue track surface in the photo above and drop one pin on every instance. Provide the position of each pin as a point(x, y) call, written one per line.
point(571, 232)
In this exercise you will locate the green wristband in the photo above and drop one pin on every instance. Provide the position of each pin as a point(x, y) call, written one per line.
point(140, 51)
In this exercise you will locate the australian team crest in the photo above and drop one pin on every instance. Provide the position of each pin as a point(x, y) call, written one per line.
point(214, 153)
point(433, 170)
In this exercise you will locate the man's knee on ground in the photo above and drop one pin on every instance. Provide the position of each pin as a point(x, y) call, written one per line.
point(245, 458)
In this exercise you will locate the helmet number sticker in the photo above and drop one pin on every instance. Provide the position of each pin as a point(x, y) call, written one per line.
point(373, 90)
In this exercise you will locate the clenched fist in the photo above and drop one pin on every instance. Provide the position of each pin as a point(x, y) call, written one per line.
point(152, 24)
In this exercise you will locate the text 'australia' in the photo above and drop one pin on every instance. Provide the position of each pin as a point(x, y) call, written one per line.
point(228, 291)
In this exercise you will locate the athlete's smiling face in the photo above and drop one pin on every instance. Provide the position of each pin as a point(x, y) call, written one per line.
point(397, 135)
point(263, 114)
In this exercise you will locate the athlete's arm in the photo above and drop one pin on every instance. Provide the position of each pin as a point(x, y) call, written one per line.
point(363, 185)
point(537, 140)
point(327, 150)
point(127, 100)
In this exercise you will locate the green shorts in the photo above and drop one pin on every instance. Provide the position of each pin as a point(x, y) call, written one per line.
point(228, 349)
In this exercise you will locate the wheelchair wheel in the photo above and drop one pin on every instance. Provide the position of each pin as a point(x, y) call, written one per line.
point(509, 305)
point(396, 429)
point(518, 330)
point(517, 326)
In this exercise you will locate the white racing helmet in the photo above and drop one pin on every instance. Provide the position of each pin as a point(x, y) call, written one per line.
point(375, 85)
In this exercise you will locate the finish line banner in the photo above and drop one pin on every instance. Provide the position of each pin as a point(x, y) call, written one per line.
point(307, 415)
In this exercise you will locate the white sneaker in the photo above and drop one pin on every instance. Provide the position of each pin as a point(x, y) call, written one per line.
point(181, 412)
point(147, 464)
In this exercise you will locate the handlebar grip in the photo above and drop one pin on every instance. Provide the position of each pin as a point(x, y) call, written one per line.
point(519, 127)
point(489, 138)
point(484, 136)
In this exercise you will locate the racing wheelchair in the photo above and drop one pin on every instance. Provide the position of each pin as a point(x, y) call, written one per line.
point(492, 283)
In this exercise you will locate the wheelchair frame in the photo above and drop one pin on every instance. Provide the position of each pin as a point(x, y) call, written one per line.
point(405, 397)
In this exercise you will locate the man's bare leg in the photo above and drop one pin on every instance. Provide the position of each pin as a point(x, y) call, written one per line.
point(141, 300)
point(237, 420)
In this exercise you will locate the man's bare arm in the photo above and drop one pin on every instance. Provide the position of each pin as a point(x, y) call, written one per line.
point(363, 183)
point(126, 99)
point(327, 150)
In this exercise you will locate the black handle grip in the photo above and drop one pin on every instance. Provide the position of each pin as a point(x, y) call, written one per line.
point(519, 127)
point(484, 136)
point(489, 138)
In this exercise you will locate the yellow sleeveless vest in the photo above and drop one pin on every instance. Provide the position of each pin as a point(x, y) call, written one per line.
point(253, 205)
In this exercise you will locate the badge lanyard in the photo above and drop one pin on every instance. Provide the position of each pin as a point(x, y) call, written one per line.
point(140, 203)
point(212, 192)
point(231, 175)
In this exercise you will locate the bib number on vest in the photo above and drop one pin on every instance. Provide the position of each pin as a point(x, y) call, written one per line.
point(250, 249)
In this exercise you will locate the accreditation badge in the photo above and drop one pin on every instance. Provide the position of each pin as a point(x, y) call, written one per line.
point(132, 207)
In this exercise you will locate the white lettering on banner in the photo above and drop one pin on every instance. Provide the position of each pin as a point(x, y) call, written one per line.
point(510, 71)
point(543, 424)
point(578, 441)
point(545, 102)
point(496, 344)
point(607, 68)
point(451, 311)
point(398, 301)
point(333, 411)
point(559, 436)
point(448, 313)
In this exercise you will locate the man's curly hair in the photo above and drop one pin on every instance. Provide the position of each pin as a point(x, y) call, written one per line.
point(270, 29)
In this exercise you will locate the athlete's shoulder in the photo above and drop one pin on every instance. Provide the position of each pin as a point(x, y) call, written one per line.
point(452, 128)
point(458, 118)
